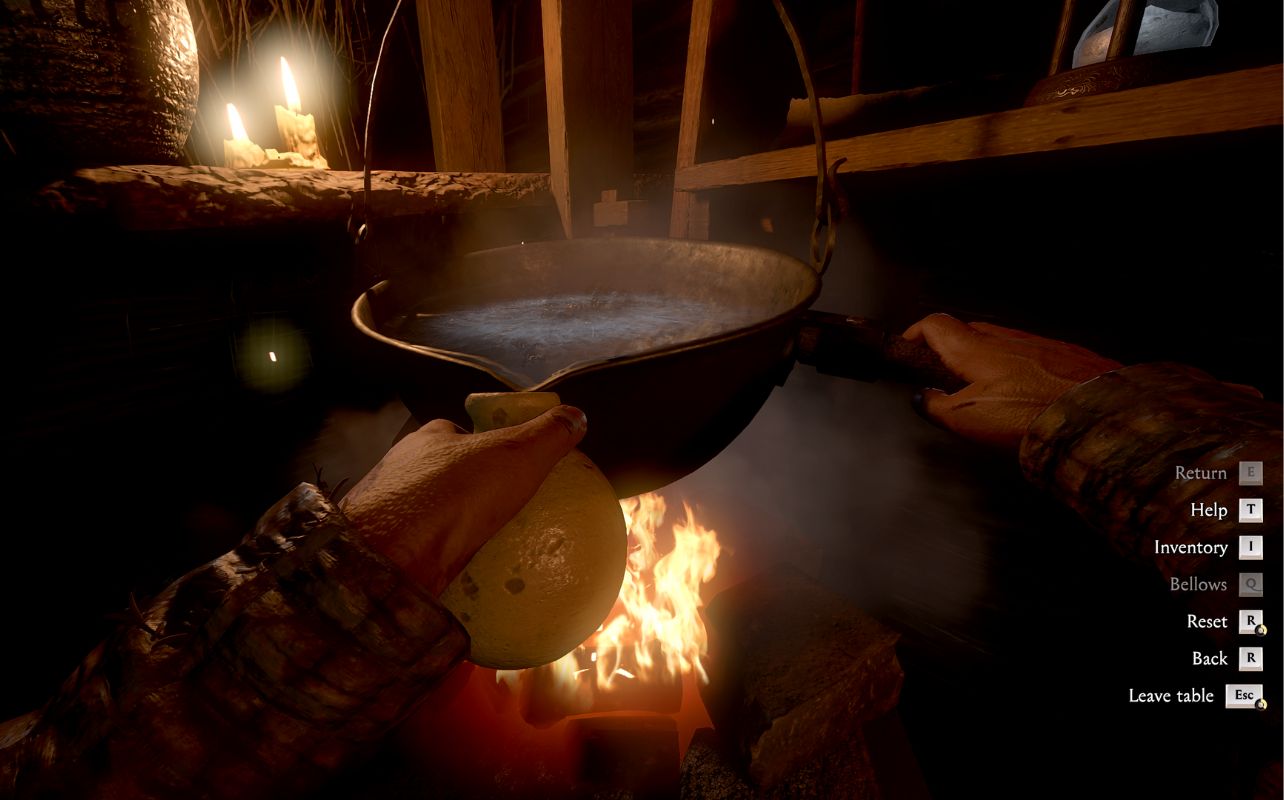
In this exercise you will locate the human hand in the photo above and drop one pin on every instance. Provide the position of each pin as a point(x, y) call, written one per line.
point(439, 494)
point(1013, 376)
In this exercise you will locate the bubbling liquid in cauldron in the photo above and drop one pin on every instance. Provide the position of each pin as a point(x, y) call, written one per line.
point(532, 338)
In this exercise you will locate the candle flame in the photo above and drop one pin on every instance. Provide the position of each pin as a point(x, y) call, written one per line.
point(292, 100)
point(238, 127)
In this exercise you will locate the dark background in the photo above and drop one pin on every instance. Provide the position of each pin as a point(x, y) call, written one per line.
point(134, 450)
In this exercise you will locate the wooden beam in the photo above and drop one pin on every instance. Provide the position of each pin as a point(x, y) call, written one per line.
point(177, 198)
point(1234, 101)
point(631, 217)
point(588, 76)
point(461, 75)
point(688, 217)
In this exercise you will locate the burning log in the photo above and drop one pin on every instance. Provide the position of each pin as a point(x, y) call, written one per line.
point(795, 673)
point(634, 757)
point(662, 695)
point(553, 692)
point(572, 685)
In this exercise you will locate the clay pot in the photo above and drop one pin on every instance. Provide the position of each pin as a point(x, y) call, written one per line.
point(546, 581)
point(102, 83)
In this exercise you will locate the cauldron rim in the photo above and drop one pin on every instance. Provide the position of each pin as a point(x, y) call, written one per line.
point(362, 314)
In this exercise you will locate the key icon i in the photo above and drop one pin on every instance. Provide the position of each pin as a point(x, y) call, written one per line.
point(1250, 548)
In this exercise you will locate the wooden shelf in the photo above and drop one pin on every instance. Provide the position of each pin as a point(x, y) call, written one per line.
point(1233, 101)
point(153, 198)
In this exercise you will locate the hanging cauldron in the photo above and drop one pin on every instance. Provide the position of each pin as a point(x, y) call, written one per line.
point(670, 346)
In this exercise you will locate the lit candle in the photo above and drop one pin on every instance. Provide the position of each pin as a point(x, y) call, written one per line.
point(298, 130)
point(239, 152)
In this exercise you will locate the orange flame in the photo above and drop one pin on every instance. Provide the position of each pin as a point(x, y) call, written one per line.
point(292, 99)
point(655, 630)
point(234, 122)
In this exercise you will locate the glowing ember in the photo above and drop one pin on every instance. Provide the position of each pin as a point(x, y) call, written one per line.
point(654, 633)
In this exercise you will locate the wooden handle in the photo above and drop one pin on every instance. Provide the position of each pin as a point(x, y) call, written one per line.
point(852, 347)
point(915, 362)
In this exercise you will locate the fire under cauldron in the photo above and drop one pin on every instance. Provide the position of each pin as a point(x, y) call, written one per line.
point(669, 346)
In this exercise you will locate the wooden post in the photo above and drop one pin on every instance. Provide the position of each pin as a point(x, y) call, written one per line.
point(588, 74)
point(1063, 50)
point(1123, 39)
point(689, 217)
point(858, 44)
point(461, 74)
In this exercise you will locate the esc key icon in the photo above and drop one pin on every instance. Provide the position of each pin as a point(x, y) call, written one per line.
point(1245, 695)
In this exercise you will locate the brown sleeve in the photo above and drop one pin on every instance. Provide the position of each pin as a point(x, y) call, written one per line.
point(255, 675)
point(1110, 449)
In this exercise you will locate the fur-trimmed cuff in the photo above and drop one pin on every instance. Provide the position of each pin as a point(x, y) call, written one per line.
point(256, 674)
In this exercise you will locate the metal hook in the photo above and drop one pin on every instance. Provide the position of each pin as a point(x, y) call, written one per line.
point(828, 192)
point(358, 224)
